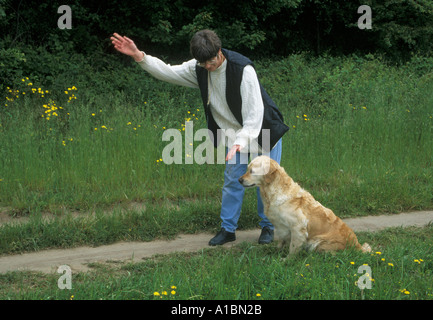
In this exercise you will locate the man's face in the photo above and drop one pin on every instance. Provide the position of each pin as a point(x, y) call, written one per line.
point(214, 63)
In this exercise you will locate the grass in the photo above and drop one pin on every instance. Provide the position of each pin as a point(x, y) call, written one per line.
point(92, 156)
point(360, 142)
point(401, 264)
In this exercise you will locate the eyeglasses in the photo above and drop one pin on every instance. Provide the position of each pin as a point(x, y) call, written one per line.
point(211, 62)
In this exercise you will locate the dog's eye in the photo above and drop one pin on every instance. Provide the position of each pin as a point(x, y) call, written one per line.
point(251, 171)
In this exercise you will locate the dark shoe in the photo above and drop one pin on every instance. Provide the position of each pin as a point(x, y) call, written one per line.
point(267, 236)
point(222, 237)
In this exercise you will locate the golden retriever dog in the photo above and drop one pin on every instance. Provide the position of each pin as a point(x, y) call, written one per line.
point(297, 217)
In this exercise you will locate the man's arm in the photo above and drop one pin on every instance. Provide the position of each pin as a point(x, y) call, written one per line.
point(183, 75)
point(252, 111)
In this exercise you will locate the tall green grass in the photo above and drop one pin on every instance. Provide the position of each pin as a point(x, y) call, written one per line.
point(360, 138)
point(103, 155)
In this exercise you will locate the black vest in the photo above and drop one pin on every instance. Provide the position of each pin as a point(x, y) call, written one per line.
point(272, 117)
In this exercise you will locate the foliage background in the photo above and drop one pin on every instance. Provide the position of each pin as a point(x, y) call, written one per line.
point(32, 45)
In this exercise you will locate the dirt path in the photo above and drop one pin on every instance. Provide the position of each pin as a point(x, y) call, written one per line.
point(78, 258)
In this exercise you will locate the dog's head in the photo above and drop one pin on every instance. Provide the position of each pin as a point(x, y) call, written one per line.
point(261, 170)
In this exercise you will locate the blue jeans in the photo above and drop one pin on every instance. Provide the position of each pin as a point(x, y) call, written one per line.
point(233, 192)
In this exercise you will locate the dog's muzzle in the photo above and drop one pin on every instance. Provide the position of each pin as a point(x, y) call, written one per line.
point(242, 182)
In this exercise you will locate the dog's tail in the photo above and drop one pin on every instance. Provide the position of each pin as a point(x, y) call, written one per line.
point(365, 248)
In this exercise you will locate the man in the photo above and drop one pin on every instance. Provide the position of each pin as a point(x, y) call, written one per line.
point(234, 101)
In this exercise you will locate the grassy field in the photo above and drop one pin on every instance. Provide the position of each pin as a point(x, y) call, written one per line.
point(360, 142)
point(399, 268)
point(88, 154)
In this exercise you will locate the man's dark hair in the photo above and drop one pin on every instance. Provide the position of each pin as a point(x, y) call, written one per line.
point(205, 45)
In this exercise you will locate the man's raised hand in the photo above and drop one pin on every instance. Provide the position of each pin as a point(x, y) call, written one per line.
point(126, 46)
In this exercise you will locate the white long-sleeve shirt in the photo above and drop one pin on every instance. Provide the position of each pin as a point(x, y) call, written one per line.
point(252, 103)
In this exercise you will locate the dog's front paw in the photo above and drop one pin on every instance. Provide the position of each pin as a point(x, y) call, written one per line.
point(281, 244)
point(290, 257)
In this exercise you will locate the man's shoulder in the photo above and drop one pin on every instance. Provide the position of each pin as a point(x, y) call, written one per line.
point(236, 58)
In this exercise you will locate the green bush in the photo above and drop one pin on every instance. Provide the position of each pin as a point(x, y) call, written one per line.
point(12, 63)
point(258, 28)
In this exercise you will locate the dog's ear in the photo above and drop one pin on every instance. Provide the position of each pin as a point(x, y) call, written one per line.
point(270, 170)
